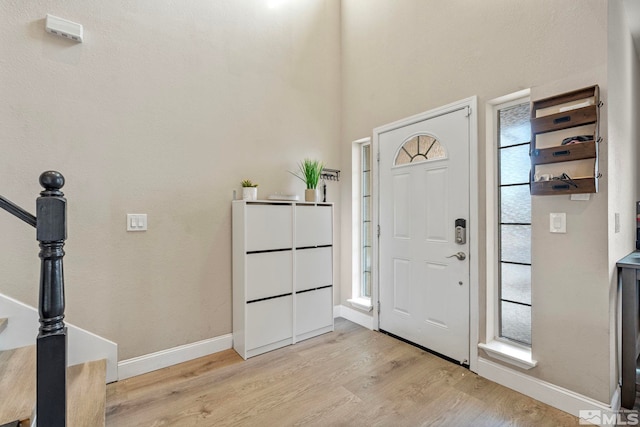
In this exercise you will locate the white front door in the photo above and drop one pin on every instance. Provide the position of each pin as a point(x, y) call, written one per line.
point(423, 192)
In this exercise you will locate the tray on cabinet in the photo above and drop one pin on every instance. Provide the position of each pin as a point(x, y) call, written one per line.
point(564, 153)
point(558, 187)
point(564, 120)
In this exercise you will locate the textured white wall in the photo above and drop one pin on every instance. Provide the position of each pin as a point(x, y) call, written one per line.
point(570, 281)
point(404, 57)
point(163, 110)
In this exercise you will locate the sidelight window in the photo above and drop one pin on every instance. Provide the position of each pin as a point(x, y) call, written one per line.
point(514, 222)
point(366, 221)
point(363, 230)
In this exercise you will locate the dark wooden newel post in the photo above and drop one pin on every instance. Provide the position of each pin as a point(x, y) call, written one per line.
point(51, 232)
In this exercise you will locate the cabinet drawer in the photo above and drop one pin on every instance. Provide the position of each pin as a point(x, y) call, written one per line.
point(313, 226)
point(269, 321)
point(314, 268)
point(314, 310)
point(268, 227)
point(269, 274)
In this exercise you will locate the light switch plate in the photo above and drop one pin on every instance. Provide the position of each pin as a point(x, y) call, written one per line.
point(136, 222)
point(558, 222)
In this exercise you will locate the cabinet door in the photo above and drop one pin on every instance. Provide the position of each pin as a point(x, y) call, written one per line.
point(269, 274)
point(313, 268)
point(314, 310)
point(313, 226)
point(269, 321)
point(268, 227)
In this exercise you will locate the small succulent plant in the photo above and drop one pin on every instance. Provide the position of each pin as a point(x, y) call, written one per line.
point(248, 183)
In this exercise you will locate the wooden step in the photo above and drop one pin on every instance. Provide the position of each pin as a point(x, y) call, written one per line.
point(3, 323)
point(17, 384)
point(86, 389)
point(86, 394)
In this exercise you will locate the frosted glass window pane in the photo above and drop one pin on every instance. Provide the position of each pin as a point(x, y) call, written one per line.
point(366, 259)
point(515, 204)
point(515, 165)
point(366, 233)
point(516, 322)
point(411, 146)
point(366, 284)
point(366, 183)
point(516, 243)
point(366, 209)
point(402, 158)
point(514, 125)
point(419, 149)
point(435, 150)
point(516, 282)
point(366, 158)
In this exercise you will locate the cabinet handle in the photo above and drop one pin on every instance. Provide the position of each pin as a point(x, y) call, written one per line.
point(560, 187)
point(561, 153)
point(562, 119)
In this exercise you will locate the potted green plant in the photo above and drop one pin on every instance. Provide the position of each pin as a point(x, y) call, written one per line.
point(309, 172)
point(249, 190)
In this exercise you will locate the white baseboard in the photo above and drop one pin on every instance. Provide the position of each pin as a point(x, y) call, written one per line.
point(162, 359)
point(82, 346)
point(558, 397)
point(354, 316)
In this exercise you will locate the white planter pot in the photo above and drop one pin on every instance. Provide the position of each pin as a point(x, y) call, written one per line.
point(312, 195)
point(249, 193)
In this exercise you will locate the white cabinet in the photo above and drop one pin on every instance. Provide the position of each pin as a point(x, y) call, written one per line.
point(282, 274)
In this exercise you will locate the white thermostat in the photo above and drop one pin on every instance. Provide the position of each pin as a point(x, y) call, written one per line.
point(63, 28)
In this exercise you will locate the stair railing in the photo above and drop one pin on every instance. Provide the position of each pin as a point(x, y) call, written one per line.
point(51, 345)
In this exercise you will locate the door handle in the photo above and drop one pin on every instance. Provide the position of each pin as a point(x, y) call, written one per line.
point(460, 255)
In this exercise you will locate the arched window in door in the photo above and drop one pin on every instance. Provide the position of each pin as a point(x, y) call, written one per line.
point(420, 148)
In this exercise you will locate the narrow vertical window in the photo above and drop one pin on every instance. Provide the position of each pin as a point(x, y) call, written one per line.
point(362, 225)
point(366, 232)
point(514, 231)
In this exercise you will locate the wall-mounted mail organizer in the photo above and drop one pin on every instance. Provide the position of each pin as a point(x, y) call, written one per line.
point(565, 136)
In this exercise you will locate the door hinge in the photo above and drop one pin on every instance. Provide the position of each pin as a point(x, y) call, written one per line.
point(378, 307)
point(468, 111)
point(378, 156)
point(378, 230)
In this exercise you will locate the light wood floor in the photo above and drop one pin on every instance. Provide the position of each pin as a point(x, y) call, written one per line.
point(350, 377)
